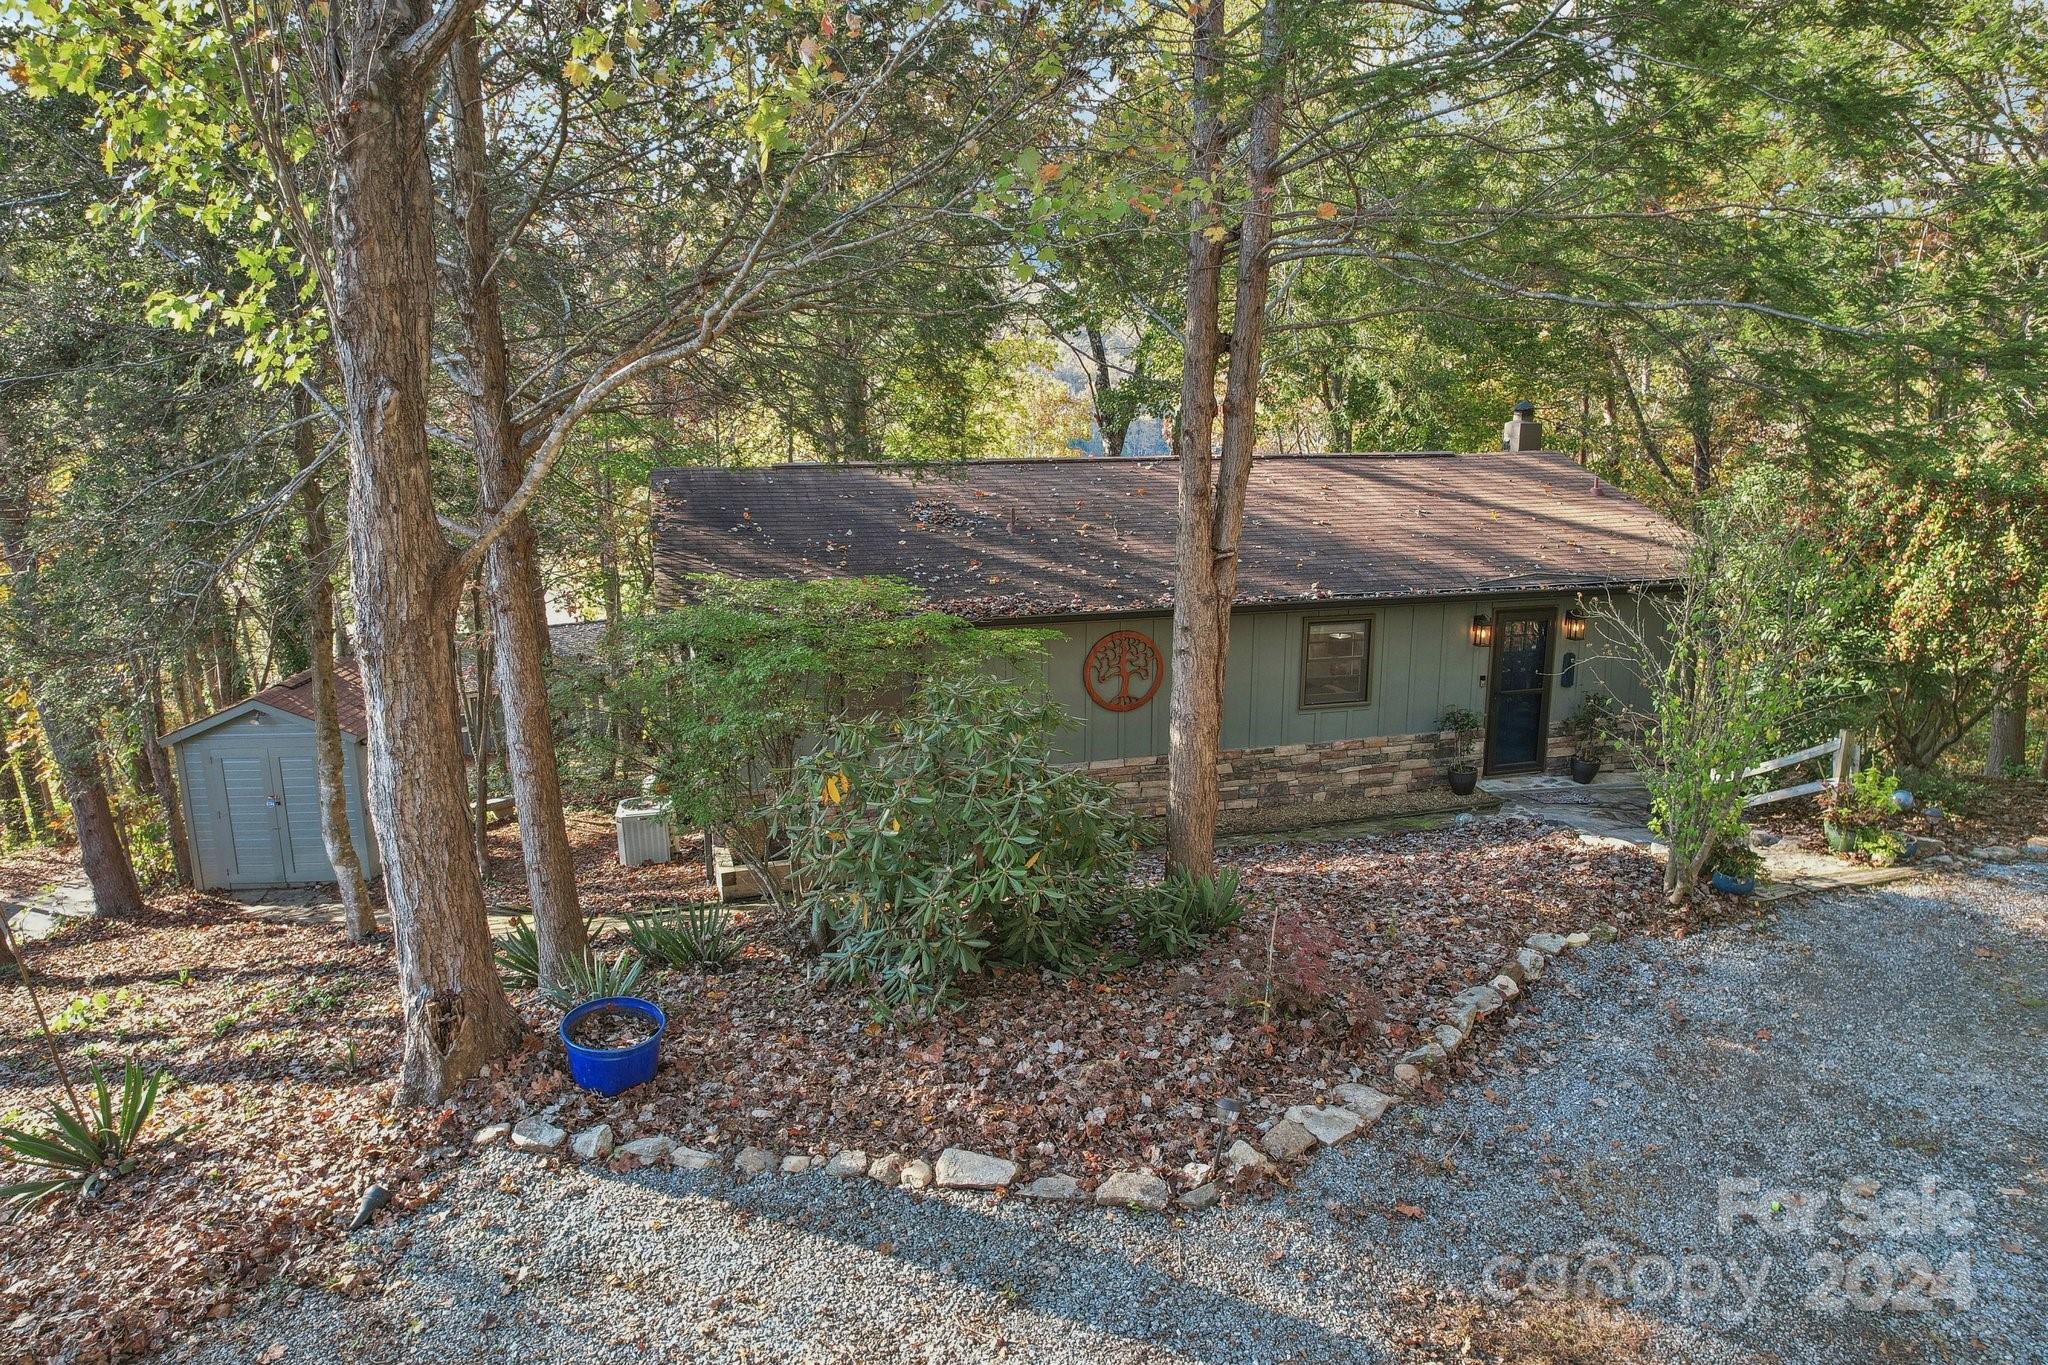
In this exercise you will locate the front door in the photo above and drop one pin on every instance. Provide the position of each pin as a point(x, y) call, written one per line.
point(1518, 705)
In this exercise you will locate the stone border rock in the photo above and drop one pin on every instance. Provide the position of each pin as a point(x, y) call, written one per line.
point(1300, 1133)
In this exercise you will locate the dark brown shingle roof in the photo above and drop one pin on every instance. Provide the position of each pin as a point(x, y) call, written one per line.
point(1018, 538)
point(295, 694)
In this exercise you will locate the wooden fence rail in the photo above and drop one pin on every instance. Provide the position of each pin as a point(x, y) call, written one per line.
point(1842, 746)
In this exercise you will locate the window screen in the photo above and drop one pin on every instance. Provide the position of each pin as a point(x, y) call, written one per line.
point(1334, 659)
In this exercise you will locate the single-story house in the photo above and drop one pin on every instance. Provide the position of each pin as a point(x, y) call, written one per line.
point(246, 782)
point(1375, 591)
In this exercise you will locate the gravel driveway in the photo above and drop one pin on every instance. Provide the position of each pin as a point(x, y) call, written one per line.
point(1700, 1118)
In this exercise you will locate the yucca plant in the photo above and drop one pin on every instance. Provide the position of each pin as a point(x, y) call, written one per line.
point(86, 1149)
point(1174, 917)
point(593, 978)
point(517, 952)
point(700, 935)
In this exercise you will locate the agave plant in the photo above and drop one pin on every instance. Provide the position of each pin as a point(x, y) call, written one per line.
point(85, 1150)
point(593, 978)
point(699, 935)
point(517, 952)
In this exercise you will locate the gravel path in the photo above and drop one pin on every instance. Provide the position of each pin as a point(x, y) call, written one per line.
point(1889, 1042)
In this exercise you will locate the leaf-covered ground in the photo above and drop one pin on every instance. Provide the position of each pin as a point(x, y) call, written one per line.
point(1107, 1070)
point(281, 1039)
point(276, 1039)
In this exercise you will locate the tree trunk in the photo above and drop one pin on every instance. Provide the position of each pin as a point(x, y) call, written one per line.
point(150, 712)
point(1212, 498)
point(2009, 732)
point(456, 1014)
point(101, 853)
point(480, 736)
point(358, 920)
point(620, 727)
point(512, 565)
point(1195, 720)
point(1112, 418)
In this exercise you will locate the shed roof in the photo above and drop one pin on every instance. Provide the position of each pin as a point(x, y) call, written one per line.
point(294, 696)
point(1010, 539)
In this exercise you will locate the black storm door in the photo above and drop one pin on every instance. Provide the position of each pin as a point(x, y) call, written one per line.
point(1518, 703)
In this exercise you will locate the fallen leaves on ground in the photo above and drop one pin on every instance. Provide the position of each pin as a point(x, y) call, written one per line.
point(281, 1040)
point(279, 1043)
point(1112, 1069)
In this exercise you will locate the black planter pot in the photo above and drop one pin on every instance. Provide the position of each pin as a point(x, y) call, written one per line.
point(1585, 769)
point(1464, 779)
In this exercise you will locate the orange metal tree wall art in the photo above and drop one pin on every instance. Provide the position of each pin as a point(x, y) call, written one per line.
point(1122, 663)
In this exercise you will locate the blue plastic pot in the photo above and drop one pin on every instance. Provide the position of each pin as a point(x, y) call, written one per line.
point(611, 1070)
point(1734, 886)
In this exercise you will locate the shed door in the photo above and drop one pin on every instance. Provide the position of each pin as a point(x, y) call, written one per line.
point(300, 787)
point(255, 809)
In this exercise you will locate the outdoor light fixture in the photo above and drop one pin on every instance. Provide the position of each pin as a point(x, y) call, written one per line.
point(1574, 626)
point(1482, 630)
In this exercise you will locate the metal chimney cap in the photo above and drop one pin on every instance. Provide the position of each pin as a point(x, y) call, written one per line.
point(1525, 409)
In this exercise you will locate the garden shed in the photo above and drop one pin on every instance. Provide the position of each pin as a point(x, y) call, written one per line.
point(251, 801)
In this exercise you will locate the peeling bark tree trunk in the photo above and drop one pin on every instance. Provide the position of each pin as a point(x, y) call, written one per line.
point(358, 920)
point(101, 853)
point(2009, 732)
point(456, 1014)
point(512, 565)
point(1212, 495)
point(150, 713)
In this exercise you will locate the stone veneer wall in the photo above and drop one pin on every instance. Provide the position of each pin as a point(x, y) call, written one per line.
point(1294, 774)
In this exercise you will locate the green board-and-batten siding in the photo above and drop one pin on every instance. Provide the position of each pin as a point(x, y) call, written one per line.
point(1422, 660)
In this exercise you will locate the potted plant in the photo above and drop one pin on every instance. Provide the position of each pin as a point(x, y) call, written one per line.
point(1589, 727)
point(1737, 868)
point(1856, 816)
point(1465, 726)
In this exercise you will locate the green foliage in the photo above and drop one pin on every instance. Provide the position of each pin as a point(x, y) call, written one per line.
point(937, 844)
point(1463, 722)
point(1944, 580)
point(1176, 916)
point(700, 935)
point(84, 1150)
point(1592, 725)
point(1866, 800)
point(731, 686)
point(517, 952)
point(1728, 659)
point(1733, 857)
point(594, 978)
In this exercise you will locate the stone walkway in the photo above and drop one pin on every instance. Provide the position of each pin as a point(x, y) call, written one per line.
point(1616, 806)
point(43, 913)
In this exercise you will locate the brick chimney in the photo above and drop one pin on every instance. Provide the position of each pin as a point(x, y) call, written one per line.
point(1523, 431)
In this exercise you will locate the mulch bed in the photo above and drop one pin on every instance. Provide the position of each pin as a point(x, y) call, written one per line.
point(1098, 1072)
point(602, 886)
point(282, 1042)
point(279, 1042)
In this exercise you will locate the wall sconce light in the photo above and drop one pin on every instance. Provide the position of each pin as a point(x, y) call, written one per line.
point(1574, 625)
point(1482, 630)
